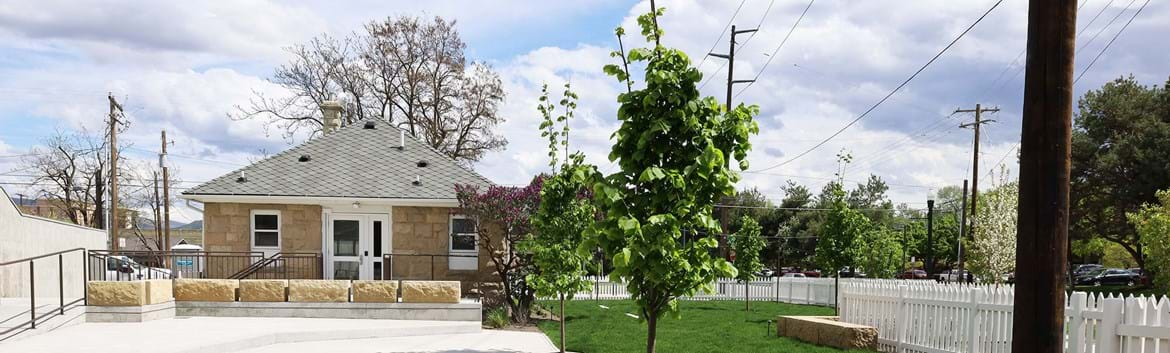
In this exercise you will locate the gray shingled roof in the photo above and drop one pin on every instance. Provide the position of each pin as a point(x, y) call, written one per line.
point(351, 162)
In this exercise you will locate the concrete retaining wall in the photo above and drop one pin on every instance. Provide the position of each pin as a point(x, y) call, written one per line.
point(27, 236)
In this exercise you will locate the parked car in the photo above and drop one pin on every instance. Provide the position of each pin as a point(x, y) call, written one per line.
point(794, 275)
point(850, 273)
point(1110, 277)
point(1009, 278)
point(955, 276)
point(765, 273)
point(123, 267)
point(812, 273)
point(1085, 269)
point(1142, 275)
point(913, 274)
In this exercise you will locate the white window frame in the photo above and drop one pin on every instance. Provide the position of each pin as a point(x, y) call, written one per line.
point(252, 232)
point(451, 242)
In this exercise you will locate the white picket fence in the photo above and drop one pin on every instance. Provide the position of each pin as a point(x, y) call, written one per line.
point(813, 291)
point(941, 318)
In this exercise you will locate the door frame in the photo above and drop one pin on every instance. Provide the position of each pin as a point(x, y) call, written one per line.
point(365, 240)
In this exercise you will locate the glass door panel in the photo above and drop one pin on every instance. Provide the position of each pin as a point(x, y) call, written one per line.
point(346, 234)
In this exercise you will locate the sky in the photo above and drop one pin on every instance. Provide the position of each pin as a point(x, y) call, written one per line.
point(183, 66)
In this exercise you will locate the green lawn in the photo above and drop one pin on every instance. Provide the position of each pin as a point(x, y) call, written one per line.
point(714, 326)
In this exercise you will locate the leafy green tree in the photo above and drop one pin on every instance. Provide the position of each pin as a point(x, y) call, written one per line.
point(564, 214)
point(1153, 224)
point(839, 244)
point(747, 244)
point(674, 148)
point(882, 252)
point(1120, 137)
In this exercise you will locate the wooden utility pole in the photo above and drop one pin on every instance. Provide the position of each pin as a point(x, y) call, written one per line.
point(115, 111)
point(963, 229)
point(158, 232)
point(975, 156)
point(730, 56)
point(1045, 154)
point(166, 192)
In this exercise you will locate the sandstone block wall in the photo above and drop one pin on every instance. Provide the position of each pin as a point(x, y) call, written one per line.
point(430, 291)
point(159, 291)
point(318, 291)
point(206, 290)
point(228, 226)
point(375, 291)
point(114, 293)
point(263, 290)
point(426, 230)
point(827, 331)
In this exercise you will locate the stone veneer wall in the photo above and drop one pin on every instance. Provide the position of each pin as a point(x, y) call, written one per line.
point(226, 226)
point(424, 230)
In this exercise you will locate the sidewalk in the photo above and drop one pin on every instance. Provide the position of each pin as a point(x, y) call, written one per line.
point(486, 341)
point(226, 334)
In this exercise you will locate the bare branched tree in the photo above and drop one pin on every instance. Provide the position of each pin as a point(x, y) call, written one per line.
point(71, 169)
point(405, 70)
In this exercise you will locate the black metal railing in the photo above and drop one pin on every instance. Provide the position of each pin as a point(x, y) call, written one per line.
point(432, 267)
point(140, 265)
point(290, 265)
point(32, 288)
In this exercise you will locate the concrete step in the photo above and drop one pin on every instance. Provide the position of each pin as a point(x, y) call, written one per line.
point(224, 334)
point(14, 317)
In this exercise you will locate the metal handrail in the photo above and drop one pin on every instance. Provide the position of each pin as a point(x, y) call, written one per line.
point(32, 279)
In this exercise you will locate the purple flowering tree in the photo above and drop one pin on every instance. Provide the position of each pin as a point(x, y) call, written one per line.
point(503, 213)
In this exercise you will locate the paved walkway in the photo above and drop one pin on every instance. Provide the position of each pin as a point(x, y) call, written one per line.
point(226, 334)
point(493, 341)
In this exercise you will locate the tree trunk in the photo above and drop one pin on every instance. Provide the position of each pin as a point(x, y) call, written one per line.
point(836, 293)
point(746, 299)
point(651, 330)
point(562, 322)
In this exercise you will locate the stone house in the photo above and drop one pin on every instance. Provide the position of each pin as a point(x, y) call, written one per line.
point(368, 198)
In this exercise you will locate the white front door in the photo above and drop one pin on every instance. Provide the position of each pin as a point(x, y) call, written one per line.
point(356, 243)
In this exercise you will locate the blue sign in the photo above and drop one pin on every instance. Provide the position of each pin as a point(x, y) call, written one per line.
point(185, 263)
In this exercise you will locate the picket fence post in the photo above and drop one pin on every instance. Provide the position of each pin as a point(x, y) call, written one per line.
point(901, 323)
point(1076, 316)
point(973, 320)
point(1112, 310)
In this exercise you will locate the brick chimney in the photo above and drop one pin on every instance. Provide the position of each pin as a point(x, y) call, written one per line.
point(332, 111)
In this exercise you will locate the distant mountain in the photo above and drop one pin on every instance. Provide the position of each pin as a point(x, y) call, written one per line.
point(194, 225)
point(148, 223)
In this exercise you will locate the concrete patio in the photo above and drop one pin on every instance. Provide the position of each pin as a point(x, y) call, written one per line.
point(229, 334)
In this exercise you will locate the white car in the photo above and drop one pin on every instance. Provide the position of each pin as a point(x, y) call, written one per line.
point(794, 275)
point(125, 268)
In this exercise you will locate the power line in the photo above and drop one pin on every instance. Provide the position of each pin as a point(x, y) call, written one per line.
point(759, 25)
point(1135, 15)
point(774, 52)
point(938, 125)
point(895, 90)
point(725, 27)
point(1109, 24)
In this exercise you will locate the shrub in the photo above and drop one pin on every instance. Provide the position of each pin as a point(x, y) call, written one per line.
point(498, 317)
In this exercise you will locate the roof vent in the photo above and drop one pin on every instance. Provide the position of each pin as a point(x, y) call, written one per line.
point(242, 178)
point(417, 180)
point(401, 140)
point(422, 163)
point(369, 125)
point(304, 158)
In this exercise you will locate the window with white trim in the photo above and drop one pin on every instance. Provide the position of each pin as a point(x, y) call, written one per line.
point(265, 229)
point(464, 231)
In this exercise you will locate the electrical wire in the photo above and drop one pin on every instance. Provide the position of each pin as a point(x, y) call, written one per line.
point(1118, 34)
point(725, 27)
point(891, 94)
point(777, 50)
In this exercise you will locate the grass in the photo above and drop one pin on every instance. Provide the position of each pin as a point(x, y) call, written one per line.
point(711, 326)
